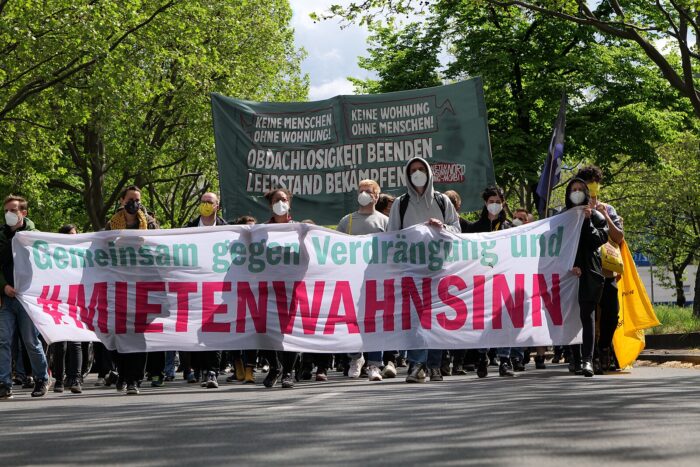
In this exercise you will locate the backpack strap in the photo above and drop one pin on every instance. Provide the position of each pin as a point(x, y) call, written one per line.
point(440, 200)
point(403, 205)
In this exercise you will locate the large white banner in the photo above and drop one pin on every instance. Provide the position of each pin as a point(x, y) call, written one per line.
point(301, 287)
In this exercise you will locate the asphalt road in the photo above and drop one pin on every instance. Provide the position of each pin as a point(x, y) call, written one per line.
point(650, 416)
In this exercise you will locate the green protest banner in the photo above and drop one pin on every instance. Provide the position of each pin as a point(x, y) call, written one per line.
point(321, 150)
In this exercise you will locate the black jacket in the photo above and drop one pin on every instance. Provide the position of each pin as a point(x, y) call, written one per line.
point(195, 222)
point(484, 224)
point(594, 233)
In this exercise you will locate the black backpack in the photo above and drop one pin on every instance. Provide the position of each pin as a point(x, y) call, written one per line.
point(403, 204)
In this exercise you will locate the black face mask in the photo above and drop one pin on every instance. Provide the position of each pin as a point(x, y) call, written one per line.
point(132, 207)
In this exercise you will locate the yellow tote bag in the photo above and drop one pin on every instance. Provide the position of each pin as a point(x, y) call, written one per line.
point(636, 312)
point(611, 257)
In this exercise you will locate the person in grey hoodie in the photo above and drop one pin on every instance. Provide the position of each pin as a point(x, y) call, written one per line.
point(422, 205)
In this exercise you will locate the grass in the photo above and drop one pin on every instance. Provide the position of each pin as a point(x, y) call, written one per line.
point(675, 320)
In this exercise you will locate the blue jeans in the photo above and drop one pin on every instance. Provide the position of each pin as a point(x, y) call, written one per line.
point(13, 317)
point(432, 358)
point(170, 363)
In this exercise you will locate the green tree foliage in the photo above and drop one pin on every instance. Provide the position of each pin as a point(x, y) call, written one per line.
point(661, 209)
point(527, 61)
point(140, 113)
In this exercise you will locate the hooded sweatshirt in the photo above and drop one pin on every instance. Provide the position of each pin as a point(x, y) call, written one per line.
point(422, 207)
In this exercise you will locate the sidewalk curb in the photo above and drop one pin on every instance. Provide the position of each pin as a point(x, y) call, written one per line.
point(661, 356)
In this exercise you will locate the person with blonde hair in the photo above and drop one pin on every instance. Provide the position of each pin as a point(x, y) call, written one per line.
point(367, 220)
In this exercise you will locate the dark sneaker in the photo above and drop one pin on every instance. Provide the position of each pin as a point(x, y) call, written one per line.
point(435, 374)
point(41, 387)
point(518, 365)
point(587, 369)
point(459, 371)
point(75, 387)
point(482, 368)
point(169, 378)
point(505, 368)
point(400, 362)
point(445, 370)
point(212, 383)
point(121, 385)
point(417, 374)
point(605, 360)
point(271, 378)
point(111, 378)
point(306, 374)
point(58, 386)
point(539, 363)
point(157, 381)
point(287, 381)
point(28, 382)
point(132, 390)
point(5, 392)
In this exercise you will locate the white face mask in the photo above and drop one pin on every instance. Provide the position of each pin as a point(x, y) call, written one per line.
point(517, 222)
point(419, 178)
point(11, 218)
point(364, 198)
point(494, 208)
point(280, 208)
point(577, 197)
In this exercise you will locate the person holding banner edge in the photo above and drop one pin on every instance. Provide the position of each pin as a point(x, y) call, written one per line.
point(13, 316)
point(422, 204)
point(589, 270)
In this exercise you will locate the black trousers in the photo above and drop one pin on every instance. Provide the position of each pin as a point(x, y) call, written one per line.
point(131, 366)
point(201, 362)
point(282, 361)
point(103, 360)
point(321, 360)
point(67, 360)
point(588, 324)
point(609, 311)
point(155, 364)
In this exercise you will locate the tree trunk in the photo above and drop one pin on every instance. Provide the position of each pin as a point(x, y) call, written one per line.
point(696, 300)
point(678, 281)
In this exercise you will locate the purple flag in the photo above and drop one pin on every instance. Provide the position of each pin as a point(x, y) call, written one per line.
point(551, 172)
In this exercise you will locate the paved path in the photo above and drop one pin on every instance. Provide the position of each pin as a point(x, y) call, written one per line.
point(650, 416)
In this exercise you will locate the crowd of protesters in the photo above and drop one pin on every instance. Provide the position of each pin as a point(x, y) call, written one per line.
point(23, 355)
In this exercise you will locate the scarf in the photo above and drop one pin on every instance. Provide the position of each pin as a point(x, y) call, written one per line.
point(118, 220)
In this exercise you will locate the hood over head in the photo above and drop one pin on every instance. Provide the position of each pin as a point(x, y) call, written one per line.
point(586, 200)
point(429, 190)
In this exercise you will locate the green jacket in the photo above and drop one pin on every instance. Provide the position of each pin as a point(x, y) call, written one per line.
point(7, 262)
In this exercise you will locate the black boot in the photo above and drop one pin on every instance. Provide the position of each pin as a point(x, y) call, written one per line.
point(505, 368)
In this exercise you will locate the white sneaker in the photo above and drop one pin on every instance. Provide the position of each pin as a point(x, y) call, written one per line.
point(356, 367)
point(373, 373)
point(389, 370)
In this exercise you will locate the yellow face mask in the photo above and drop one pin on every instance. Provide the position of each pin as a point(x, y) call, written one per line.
point(593, 189)
point(206, 209)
